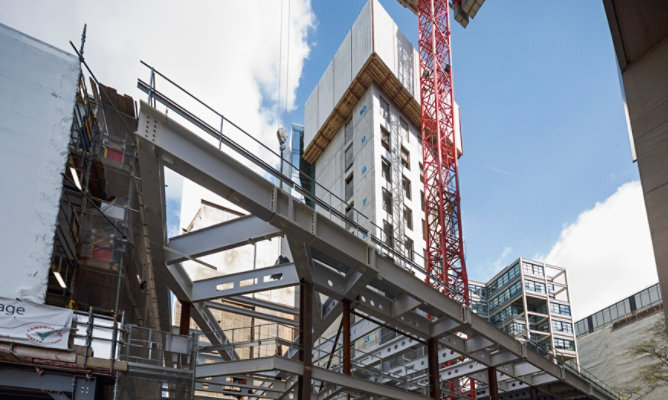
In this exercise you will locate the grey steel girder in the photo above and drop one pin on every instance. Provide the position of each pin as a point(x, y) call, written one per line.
point(224, 236)
point(197, 160)
point(47, 381)
point(251, 313)
point(245, 282)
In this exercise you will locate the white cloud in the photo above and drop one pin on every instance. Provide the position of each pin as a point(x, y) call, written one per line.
point(607, 252)
point(226, 53)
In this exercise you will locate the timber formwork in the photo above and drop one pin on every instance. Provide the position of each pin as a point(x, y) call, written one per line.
point(343, 279)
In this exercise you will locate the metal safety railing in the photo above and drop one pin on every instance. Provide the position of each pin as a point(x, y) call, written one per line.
point(226, 134)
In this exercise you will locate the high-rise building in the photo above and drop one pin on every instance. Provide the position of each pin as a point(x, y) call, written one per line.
point(362, 133)
point(529, 300)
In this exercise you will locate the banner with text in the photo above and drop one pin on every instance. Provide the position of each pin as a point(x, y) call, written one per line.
point(34, 324)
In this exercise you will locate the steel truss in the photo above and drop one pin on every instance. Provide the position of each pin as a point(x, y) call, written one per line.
point(327, 260)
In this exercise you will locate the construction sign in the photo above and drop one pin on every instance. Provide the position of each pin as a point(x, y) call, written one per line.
point(34, 324)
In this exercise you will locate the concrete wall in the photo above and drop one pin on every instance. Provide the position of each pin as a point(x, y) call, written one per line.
point(609, 354)
point(646, 86)
point(39, 83)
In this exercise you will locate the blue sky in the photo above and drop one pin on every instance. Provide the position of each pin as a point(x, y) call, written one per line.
point(542, 117)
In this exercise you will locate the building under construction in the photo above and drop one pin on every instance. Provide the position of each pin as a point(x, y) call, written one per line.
point(338, 303)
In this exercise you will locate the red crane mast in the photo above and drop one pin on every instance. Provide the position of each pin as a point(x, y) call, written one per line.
point(445, 247)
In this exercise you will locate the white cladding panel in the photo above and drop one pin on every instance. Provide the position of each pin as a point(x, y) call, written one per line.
point(407, 68)
point(311, 117)
point(362, 39)
point(343, 68)
point(384, 32)
point(326, 94)
point(39, 83)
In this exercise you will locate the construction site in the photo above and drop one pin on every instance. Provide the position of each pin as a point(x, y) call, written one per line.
point(328, 265)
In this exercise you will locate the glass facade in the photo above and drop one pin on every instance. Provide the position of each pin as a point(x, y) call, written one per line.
point(627, 308)
point(529, 300)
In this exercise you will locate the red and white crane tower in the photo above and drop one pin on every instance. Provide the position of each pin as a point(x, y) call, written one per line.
point(444, 259)
point(445, 247)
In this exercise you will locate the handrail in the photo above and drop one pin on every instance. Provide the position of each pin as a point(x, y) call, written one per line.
point(156, 95)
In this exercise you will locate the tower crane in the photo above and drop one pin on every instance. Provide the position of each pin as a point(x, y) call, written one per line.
point(444, 258)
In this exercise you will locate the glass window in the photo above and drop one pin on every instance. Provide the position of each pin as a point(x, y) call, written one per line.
point(388, 232)
point(563, 309)
point(562, 326)
point(403, 125)
point(406, 185)
point(408, 218)
point(349, 187)
point(384, 109)
point(408, 243)
point(386, 170)
point(387, 201)
point(405, 158)
point(385, 138)
point(564, 344)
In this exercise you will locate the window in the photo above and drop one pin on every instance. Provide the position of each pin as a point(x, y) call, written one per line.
point(406, 185)
point(384, 109)
point(349, 187)
point(421, 172)
point(424, 231)
point(405, 158)
point(532, 269)
point(408, 218)
point(564, 344)
point(562, 326)
point(385, 138)
point(422, 200)
point(408, 243)
point(387, 201)
point(561, 309)
point(349, 156)
point(348, 130)
point(403, 125)
point(350, 215)
point(536, 287)
point(386, 170)
point(388, 231)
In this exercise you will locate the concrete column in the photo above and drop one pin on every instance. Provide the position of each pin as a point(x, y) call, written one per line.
point(305, 339)
point(493, 384)
point(432, 361)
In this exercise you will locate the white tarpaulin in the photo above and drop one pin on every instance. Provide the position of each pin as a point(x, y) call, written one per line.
point(34, 324)
point(38, 84)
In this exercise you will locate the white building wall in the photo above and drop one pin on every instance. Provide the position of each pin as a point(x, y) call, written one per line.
point(379, 34)
point(39, 83)
point(366, 169)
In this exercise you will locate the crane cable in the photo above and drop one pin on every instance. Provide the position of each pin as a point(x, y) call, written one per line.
point(279, 112)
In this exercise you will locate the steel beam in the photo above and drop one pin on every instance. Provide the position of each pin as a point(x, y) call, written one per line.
point(224, 236)
point(257, 280)
point(251, 313)
point(197, 160)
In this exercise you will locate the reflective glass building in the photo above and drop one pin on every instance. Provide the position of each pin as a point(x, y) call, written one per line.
point(529, 300)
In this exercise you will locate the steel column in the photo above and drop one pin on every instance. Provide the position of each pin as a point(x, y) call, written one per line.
point(305, 339)
point(432, 360)
point(184, 323)
point(492, 383)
